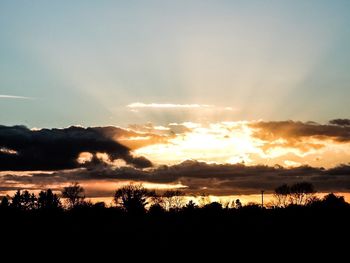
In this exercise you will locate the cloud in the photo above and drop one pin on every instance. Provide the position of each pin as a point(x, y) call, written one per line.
point(137, 136)
point(137, 105)
point(15, 97)
point(179, 109)
point(54, 149)
point(296, 130)
point(340, 122)
point(57, 150)
point(163, 113)
point(248, 141)
point(198, 177)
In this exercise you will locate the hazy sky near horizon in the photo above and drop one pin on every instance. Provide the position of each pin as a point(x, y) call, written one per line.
point(121, 62)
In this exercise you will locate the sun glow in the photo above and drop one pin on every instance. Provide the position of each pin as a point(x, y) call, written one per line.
point(236, 142)
point(220, 142)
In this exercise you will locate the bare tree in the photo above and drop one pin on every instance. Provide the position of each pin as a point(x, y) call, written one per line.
point(204, 199)
point(281, 195)
point(156, 199)
point(296, 194)
point(301, 193)
point(74, 194)
point(173, 199)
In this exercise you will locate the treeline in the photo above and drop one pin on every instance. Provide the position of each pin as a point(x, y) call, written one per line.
point(141, 219)
point(135, 199)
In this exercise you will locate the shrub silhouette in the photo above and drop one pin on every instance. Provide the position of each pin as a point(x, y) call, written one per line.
point(331, 201)
point(213, 207)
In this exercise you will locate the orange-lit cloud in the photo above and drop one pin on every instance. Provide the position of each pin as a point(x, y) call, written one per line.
point(255, 142)
point(298, 130)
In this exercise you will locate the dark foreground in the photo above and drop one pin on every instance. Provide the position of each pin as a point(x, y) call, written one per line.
point(292, 231)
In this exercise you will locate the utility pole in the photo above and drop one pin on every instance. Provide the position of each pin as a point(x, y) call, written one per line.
point(262, 198)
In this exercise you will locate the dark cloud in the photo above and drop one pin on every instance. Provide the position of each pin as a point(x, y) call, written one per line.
point(199, 177)
point(295, 130)
point(136, 136)
point(55, 149)
point(340, 122)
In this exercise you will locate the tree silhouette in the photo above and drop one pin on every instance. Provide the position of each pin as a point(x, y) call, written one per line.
point(156, 209)
point(17, 200)
point(5, 203)
point(173, 199)
point(29, 201)
point(48, 200)
point(301, 193)
point(100, 205)
point(213, 207)
point(156, 199)
point(74, 194)
point(190, 206)
point(24, 201)
point(204, 199)
point(281, 195)
point(238, 204)
point(297, 194)
point(333, 201)
point(133, 198)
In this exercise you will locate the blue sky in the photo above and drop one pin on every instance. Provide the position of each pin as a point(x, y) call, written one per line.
point(83, 62)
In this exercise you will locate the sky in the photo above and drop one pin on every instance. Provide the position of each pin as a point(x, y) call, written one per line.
point(84, 62)
point(213, 89)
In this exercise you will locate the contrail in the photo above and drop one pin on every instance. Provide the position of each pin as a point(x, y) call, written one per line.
point(15, 97)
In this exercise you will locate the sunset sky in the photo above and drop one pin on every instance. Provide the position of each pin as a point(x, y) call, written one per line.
point(223, 97)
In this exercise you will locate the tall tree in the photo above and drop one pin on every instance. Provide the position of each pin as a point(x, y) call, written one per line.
point(17, 200)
